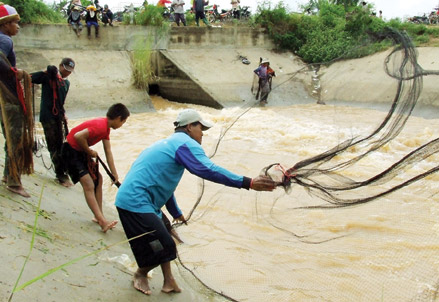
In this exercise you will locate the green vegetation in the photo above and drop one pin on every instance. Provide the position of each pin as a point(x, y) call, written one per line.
point(141, 63)
point(149, 14)
point(34, 11)
point(333, 29)
point(329, 29)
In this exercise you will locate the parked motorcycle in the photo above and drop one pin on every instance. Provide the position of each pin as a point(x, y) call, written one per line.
point(245, 12)
point(419, 19)
point(168, 14)
point(213, 15)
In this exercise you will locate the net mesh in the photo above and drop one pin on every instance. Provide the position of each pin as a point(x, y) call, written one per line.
point(320, 247)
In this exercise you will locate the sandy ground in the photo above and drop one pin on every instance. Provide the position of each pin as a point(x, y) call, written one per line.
point(65, 230)
point(346, 80)
point(101, 78)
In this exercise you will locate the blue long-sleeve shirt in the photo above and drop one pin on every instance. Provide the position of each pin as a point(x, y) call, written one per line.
point(155, 174)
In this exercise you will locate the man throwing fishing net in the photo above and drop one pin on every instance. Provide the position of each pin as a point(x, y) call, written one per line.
point(150, 185)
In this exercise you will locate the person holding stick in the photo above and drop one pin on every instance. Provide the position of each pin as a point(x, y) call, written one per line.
point(79, 158)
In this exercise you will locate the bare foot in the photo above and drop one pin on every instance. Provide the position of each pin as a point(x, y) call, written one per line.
point(109, 225)
point(171, 286)
point(140, 283)
point(65, 183)
point(96, 221)
point(18, 190)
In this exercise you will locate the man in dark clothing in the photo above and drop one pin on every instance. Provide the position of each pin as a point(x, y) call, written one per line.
point(16, 117)
point(91, 19)
point(107, 16)
point(199, 12)
point(52, 114)
point(74, 20)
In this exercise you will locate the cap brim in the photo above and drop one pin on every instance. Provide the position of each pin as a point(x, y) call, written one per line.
point(206, 125)
point(68, 68)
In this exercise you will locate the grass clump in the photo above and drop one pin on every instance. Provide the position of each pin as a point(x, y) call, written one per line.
point(141, 63)
point(151, 15)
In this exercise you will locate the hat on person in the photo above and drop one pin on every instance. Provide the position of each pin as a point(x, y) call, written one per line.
point(8, 13)
point(265, 61)
point(91, 7)
point(68, 64)
point(189, 116)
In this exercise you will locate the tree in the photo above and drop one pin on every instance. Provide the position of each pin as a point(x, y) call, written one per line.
point(313, 6)
point(345, 3)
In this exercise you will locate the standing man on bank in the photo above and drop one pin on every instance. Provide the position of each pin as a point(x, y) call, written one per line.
point(16, 103)
point(178, 6)
point(55, 87)
point(199, 12)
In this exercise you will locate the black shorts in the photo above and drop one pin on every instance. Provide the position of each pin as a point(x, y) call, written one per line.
point(200, 15)
point(76, 162)
point(154, 248)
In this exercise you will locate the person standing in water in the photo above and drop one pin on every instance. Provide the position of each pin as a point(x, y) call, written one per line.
point(150, 185)
point(265, 75)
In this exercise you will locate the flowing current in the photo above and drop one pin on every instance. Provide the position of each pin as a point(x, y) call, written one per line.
point(255, 246)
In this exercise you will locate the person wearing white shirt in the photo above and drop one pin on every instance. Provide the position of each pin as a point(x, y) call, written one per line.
point(178, 6)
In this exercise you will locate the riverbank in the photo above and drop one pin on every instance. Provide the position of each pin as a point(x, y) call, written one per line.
point(64, 233)
point(65, 230)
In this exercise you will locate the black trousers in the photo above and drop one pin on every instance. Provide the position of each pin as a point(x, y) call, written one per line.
point(54, 133)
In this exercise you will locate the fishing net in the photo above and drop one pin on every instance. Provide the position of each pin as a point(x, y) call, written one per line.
point(326, 180)
point(317, 254)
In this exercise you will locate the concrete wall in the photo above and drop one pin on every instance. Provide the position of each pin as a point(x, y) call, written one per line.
point(61, 36)
point(229, 37)
point(175, 82)
point(122, 37)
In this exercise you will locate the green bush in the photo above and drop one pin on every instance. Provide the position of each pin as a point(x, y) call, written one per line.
point(421, 39)
point(34, 11)
point(325, 46)
point(190, 18)
point(433, 31)
point(332, 31)
point(151, 15)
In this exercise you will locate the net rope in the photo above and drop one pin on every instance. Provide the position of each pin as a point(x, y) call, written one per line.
point(325, 175)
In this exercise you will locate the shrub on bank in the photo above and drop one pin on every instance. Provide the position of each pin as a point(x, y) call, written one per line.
point(150, 15)
point(36, 12)
point(331, 31)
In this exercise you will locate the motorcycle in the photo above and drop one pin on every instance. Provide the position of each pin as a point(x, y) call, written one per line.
point(419, 19)
point(245, 12)
point(213, 15)
point(168, 14)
